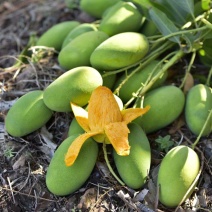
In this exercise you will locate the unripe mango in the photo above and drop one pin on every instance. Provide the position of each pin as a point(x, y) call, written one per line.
point(177, 172)
point(75, 128)
point(197, 107)
point(119, 51)
point(138, 80)
point(82, 28)
point(135, 167)
point(75, 85)
point(62, 180)
point(78, 51)
point(96, 8)
point(121, 17)
point(28, 114)
point(166, 104)
point(55, 36)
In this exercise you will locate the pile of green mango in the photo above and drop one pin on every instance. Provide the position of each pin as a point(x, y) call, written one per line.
point(86, 51)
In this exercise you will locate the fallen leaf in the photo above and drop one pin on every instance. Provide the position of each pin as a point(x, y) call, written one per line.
point(20, 162)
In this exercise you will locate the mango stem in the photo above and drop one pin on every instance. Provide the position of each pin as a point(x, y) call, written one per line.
point(188, 69)
point(171, 62)
point(209, 77)
point(202, 130)
point(109, 166)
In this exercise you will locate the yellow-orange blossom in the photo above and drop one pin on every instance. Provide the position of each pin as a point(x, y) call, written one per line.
point(104, 121)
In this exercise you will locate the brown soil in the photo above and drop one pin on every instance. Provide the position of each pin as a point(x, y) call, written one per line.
point(24, 161)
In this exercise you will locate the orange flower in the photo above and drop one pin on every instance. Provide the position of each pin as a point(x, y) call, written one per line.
point(104, 121)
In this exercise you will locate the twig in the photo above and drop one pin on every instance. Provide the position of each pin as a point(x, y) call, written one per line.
point(29, 195)
point(109, 166)
point(8, 179)
point(202, 130)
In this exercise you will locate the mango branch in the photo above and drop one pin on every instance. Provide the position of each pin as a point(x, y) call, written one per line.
point(188, 68)
point(203, 128)
point(209, 77)
point(136, 94)
point(152, 56)
point(171, 62)
point(109, 166)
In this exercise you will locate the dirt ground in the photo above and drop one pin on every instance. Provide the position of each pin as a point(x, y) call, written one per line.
point(24, 161)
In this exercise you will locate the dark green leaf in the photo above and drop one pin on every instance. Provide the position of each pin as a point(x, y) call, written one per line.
point(179, 11)
point(164, 24)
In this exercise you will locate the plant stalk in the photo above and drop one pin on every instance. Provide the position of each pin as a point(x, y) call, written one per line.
point(109, 166)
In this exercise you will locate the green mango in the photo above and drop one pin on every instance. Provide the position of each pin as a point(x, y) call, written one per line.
point(82, 28)
point(197, 107)
point(109, 80)
point(135, 167)
point(177, 172)
point(119, 51)
point(62, 180)
point(121, 17)
point(166, 104)
point(96, 8)
point(138, 80)
point(149, 29)
point(75, 85)
point(78, 51)
point(75, 128)
point(28, 114)
point(55, 35)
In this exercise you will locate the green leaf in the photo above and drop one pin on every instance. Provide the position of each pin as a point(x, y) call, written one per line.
point(179, 11)
point(164, 24)
point(164, 143)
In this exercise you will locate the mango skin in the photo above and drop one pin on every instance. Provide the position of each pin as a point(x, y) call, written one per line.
point(75, 85)
point(78, 51)
point(62, 180)
point(98, 7)
point(119, 51)
point(177, 172)
point(166, 104)
point(55, 35)
point(28, 114)
point(135, 167)
point(121, 17)
point(197, 107)
point(140, 77)
point(75, 128)
point(82, 28)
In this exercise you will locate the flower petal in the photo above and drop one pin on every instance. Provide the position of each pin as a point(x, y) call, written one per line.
point(117, 133)
point(75, 147)
point(81, 116)
point(130, 114)
point(102, 109)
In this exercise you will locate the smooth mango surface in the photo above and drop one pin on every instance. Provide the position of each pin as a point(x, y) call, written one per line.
point(75, 128)
point(78, 51)
point(121, 17)
point(28, 114)
point(55, 35)
point(198, 105)
point(62, 180)
point(139, 79)
point(96, 8)
point(82, 28)
point(166, 104)
point(177, 172)
point(120, 50)
point(75, 85)
point(135, 167)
